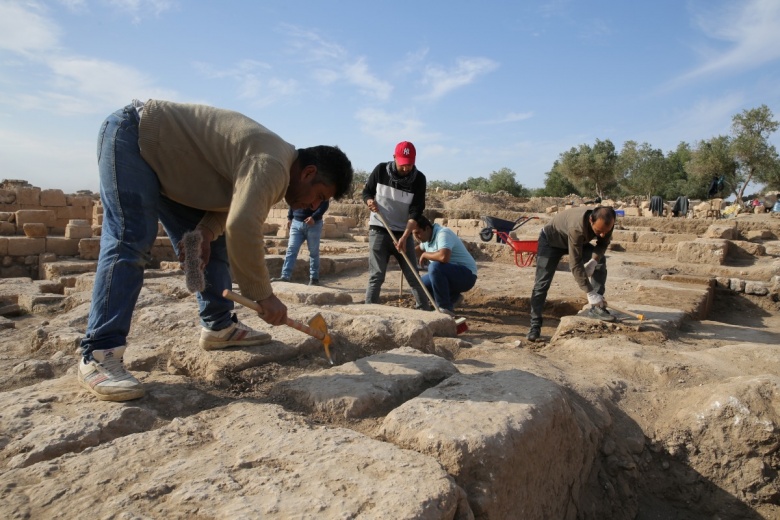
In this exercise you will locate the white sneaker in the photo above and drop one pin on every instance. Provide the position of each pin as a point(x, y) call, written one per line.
point(107, 378)
point(236, 335)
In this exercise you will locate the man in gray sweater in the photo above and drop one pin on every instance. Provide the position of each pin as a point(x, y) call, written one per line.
point(202, 169)
point(570, 233)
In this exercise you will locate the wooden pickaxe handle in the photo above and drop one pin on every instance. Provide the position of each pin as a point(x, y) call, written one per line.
point(297, 325)
point(640, 317)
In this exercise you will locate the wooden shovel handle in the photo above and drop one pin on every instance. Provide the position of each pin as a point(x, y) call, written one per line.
point(297, 325)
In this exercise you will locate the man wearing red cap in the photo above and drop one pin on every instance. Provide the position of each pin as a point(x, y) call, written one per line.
point(396, 189)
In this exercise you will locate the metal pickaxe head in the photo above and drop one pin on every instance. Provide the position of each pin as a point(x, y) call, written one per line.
point(318, 323)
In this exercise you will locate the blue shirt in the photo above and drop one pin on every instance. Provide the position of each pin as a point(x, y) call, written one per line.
point(302, 214)
point(445, 238)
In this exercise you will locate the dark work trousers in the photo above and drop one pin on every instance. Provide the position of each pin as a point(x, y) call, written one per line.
point(381, 246)
point(547, 259)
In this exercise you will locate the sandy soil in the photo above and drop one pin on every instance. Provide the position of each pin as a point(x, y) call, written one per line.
point(698, 484)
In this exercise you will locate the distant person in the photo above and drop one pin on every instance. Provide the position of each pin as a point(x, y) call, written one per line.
point(717, 185)
point(304, 225)
point(713, 189)
point(571, 233)
point(680, 207)
point(199, 168)
point(451, 268)
point(397, 190)
point(657, 206)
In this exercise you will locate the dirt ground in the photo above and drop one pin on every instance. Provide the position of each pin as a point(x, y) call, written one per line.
point(696, 486)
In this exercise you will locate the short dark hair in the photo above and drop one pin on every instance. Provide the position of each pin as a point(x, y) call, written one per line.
point(333, 166)
point(423, 223)
point(605, 213)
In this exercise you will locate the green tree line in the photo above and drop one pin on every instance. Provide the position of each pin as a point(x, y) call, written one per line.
point(744, 156)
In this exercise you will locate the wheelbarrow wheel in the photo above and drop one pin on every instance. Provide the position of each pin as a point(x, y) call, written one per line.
point(486, 234)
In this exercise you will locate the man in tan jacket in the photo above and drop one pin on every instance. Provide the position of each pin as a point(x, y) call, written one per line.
point(571, 233)
point(200, 168)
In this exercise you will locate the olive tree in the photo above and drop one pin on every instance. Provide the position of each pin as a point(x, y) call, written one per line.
point(591, 169)
point(756, 158)
point(643, 169)
point(556, 184)
point(712, 159)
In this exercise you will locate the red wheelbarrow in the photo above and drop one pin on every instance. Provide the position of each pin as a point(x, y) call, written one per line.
point(525, 250)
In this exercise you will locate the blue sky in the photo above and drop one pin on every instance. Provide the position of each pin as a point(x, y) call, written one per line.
point(477, 86)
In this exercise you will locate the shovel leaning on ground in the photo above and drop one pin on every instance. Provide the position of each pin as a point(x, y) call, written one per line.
point(316, 328)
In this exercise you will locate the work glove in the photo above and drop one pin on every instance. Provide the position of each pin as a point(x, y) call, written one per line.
point(590, 267)
point(596, 299)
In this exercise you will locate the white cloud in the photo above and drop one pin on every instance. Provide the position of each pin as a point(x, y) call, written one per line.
point(440, 81)
point(74, 5)
point(358, 74)
point(750, 29)
point(254, 81)
point(138, 8)
point(389, 127)
point(312, 46)
point(332, 63)
point(511, 117)
point(88, 85)
point(25, 31)
point(411, 62)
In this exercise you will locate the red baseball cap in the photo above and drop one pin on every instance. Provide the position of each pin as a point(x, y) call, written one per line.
point(405, 153)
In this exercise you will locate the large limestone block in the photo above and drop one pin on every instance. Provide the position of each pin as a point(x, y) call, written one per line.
point(43, 216)
point(727, 231)
point(514, 441)
point(651, 237)
point(737, 418)
point(215, 366)
point(703, 251)
point(745, 248)
point(620, 235)
point(23, 246)
point(370, 385)
point(78, 228)
point(62, 246)
point(244, 460)
point(7, 228)
point(378, 328)
point(56, 270)
point(28, 196)
point(675, 238)
point(757, 234)
point(89, 248)
point(310, 294)
point(35, 230)
point(53, 198)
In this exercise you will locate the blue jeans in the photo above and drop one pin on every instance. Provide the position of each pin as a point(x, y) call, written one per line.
point(381, 247)
point(547, 259)
point(300, 231)
point(447, 281)
point(132, 205)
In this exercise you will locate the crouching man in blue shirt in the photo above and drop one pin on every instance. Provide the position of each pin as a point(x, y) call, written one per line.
point(451, 268)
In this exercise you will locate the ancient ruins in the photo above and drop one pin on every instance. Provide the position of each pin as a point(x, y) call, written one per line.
point(674, 415)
